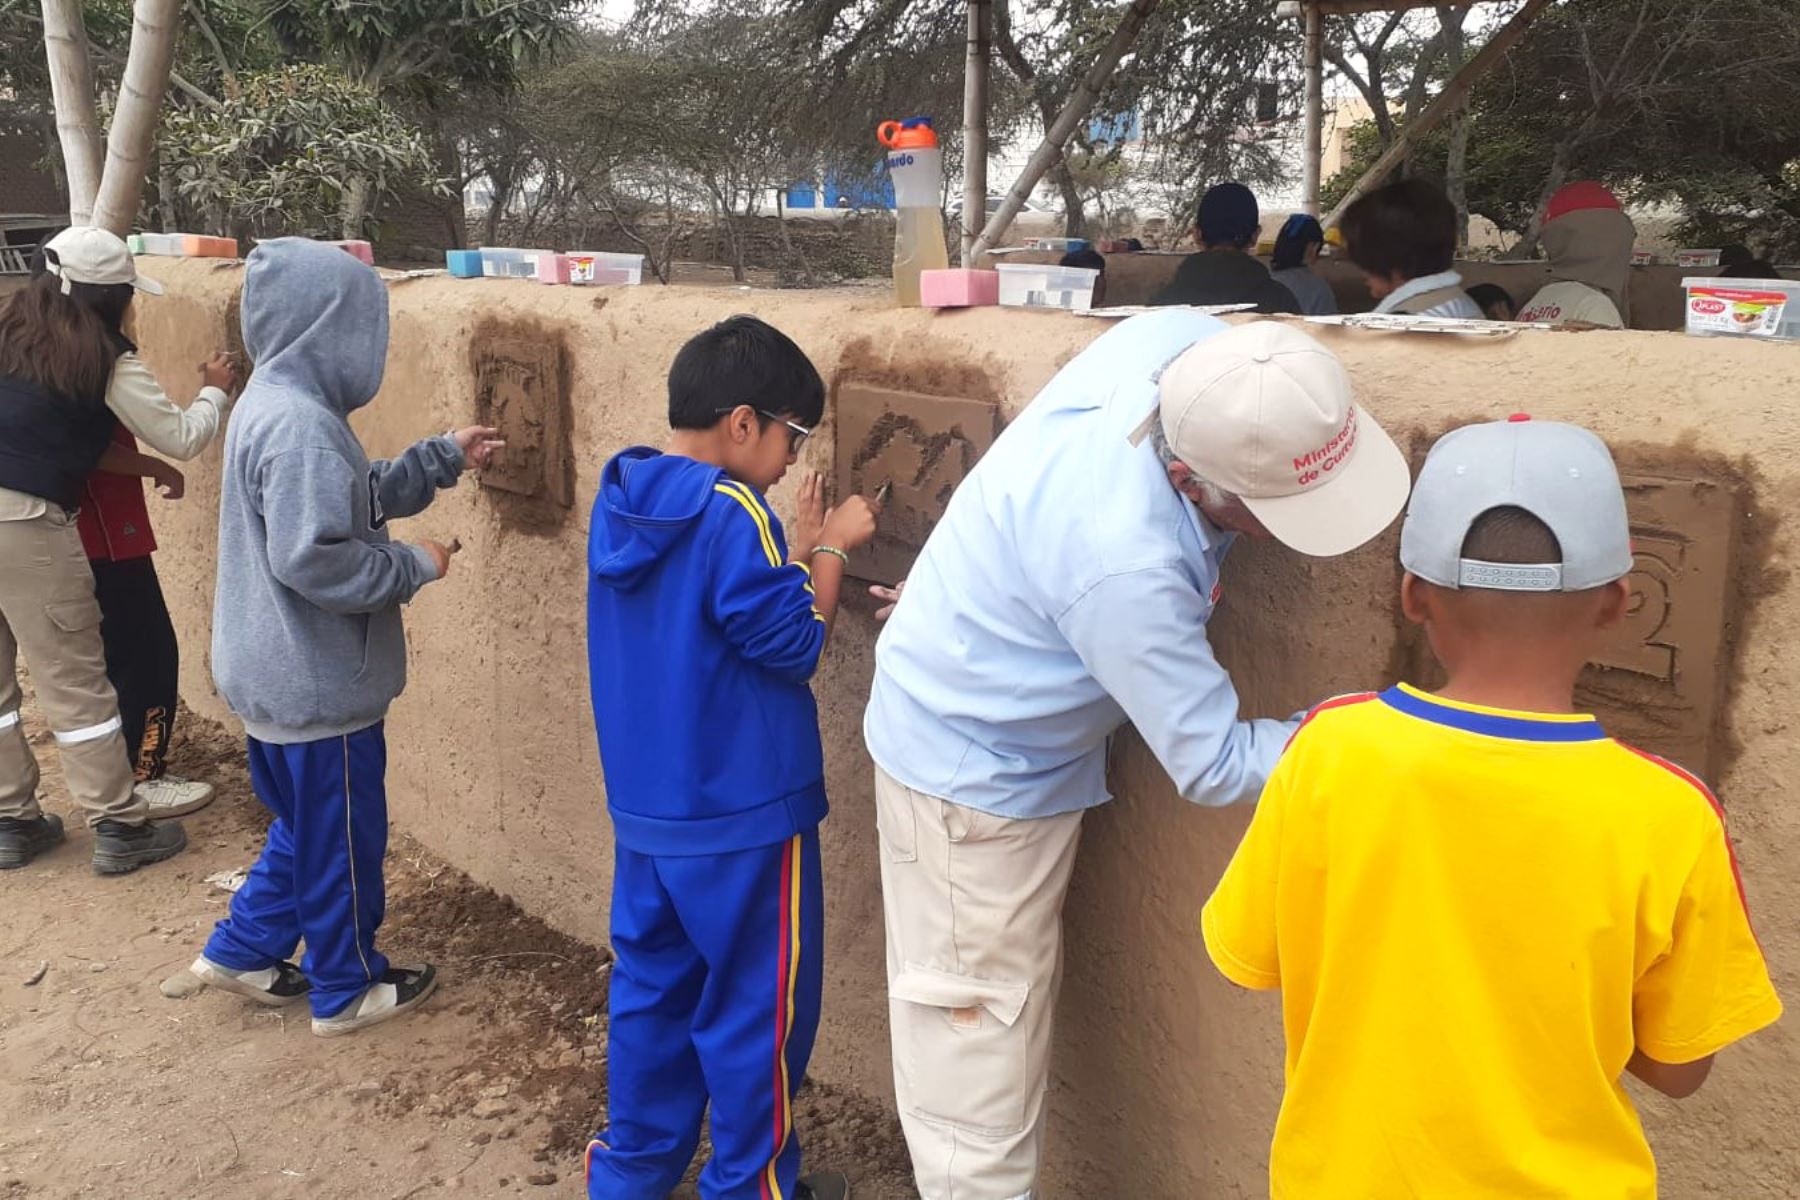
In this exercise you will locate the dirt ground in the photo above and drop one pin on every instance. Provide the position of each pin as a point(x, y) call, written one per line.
point(490, 1090)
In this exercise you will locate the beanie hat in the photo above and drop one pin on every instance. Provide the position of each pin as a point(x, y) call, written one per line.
point(1228, 215)
point(1584, 194)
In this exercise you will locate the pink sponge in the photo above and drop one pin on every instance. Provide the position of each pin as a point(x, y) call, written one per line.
point(359, 250)
point(958, 287)
point(553, 268)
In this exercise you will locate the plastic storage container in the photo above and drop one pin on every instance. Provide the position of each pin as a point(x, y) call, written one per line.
point(593, 267)
point(164, 244)
point(463, 264)
point(1035, 285)
point(1766, 308)
point(505, 262)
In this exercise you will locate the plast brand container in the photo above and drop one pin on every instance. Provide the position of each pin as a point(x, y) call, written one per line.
point(917, 167)
point(1767, 308)
point(592, 267)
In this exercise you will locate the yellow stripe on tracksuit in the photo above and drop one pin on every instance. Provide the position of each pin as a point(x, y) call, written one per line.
point(753, 506)
point(787, 1029)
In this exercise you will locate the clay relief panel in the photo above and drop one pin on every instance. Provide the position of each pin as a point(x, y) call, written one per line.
point(520, 390)
point(1659, 682)
point(922, 447)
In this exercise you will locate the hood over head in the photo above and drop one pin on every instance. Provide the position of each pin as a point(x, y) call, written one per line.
point(315, 320)
point(647, 504)
point(1590, 240)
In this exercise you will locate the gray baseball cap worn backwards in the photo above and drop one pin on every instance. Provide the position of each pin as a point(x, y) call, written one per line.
point(1561, 474)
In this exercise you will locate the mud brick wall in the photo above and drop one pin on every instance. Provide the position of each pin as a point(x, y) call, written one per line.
point(1166, 1079)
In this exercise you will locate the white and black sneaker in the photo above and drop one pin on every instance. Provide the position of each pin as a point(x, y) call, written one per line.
point(173, 796)
point(401, 990)
point(280, 984)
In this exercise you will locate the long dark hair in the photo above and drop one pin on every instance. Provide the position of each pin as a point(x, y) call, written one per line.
point(57, 342)
point(1300, 231)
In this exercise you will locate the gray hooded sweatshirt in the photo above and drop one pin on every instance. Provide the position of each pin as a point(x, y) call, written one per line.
point(307, 642)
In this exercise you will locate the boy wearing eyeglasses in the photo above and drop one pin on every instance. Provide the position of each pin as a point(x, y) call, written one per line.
point(704, 630)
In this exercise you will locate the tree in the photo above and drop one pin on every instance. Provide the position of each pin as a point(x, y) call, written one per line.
point(275, 157)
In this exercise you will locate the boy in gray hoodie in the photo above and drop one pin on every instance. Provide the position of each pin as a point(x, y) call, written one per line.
point(307, 645)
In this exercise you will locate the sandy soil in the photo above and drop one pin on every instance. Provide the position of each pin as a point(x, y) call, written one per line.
point(490, 1090)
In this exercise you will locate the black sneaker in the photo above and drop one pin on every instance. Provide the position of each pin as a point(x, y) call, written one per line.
point(21, 841)
point(120, 848)
point(401, 990)
point(280, 984)
point(823, 1185)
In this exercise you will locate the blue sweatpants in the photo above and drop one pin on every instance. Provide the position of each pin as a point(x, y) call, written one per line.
point(319, 876)
point(715, 998)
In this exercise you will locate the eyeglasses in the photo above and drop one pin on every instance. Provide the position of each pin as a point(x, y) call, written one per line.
point(797, 433)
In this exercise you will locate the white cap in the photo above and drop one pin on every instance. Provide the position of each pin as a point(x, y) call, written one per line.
point(87, 254)
point(1265, 412)
point(1561, 474)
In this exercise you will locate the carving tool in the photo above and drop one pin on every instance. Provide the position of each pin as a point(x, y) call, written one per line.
point(882, 492)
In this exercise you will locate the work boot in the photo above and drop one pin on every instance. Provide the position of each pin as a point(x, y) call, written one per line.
point(21, 840)
point(173, 796)
point(823, 1185)
point(120, 848)
point(401, 990)
point(280, 984)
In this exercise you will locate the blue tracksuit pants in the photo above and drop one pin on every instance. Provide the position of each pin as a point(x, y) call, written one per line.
point(319, 876)
point(714, 998)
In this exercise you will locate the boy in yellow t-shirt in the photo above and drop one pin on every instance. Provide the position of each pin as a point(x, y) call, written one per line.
point(1480, 909)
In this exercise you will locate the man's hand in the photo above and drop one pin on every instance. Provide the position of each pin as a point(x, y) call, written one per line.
point(478, 444)
point(851, 524)
point(809, 517)
point(168, 480)
point(440, 554)
point(889, 596)
point(219, 371)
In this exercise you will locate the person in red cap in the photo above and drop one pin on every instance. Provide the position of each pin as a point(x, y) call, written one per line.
point(1589, 239)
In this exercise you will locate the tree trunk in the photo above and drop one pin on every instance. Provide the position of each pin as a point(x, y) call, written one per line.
point(72, 92)
point(356, 208)
point(166, 195)
point(154, 26)
point(788, 248)
point(1456, 166)
point(1073, 204)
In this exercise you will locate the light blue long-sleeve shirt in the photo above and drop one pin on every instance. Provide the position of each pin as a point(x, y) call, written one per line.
point(1065, 591)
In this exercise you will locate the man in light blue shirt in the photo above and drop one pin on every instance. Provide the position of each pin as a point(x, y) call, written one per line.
point(1065, 591)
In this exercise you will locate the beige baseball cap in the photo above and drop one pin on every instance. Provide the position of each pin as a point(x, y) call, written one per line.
point(87, 254)
point(1265, 412)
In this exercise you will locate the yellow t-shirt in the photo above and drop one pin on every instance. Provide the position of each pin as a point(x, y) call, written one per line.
point(1474, 916)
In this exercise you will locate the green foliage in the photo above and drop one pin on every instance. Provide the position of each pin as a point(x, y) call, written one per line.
point(279, 157)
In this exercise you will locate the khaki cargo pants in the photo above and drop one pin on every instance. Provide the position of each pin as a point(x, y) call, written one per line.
point(974, 956)
point(48, 613)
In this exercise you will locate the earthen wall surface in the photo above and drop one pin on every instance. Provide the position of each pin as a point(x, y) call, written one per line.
point(1166, 1079)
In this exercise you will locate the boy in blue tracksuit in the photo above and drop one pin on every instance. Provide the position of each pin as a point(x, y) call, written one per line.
point(307, 646)
point(703, 632)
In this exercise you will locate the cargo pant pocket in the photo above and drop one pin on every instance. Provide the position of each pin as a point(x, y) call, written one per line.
point(962, 1049)
point(74, 616)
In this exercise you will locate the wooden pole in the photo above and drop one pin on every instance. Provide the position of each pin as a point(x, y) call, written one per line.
point(72, 94)
point(132, 139)
point(1050, 149)
point(1447, 102)
point(1314, 150)
point(975, 125)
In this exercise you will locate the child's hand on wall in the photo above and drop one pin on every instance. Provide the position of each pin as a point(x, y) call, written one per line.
point(440, 554)
point(809, 517)
point(220, 372)
point(478, 443)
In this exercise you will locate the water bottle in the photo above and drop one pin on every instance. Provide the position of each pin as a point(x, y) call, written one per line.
point(917, 167)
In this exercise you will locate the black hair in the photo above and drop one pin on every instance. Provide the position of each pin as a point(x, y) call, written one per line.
point(743, 361)
point(1486, 295)
point(1735, 255)
point(1406, 228)
point(1509, 534)
point(1134, 245)
point(1751, 268)
point(1092, 259)
point(1298, 233)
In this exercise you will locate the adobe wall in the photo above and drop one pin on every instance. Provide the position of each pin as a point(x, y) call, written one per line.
point(1166, 1079)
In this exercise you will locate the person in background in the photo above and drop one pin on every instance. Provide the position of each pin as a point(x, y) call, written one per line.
point(1225, 272)
point(704, 630)
point(1751, 268)
point(308, 647)
point(1092, 260)
point(1297, 248)
point(1495, 301)
point(57, 358)
point(1589, 240)
point(1556, 908)
point(142, 654)
point(1403, 237)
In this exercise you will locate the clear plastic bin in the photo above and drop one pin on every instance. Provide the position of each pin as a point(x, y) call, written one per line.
point(504, 262)
point(1765, 308)
point(593, 267)
point(1036, 285)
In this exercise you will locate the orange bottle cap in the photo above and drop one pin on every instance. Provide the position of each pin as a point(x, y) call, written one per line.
point(914, 133)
